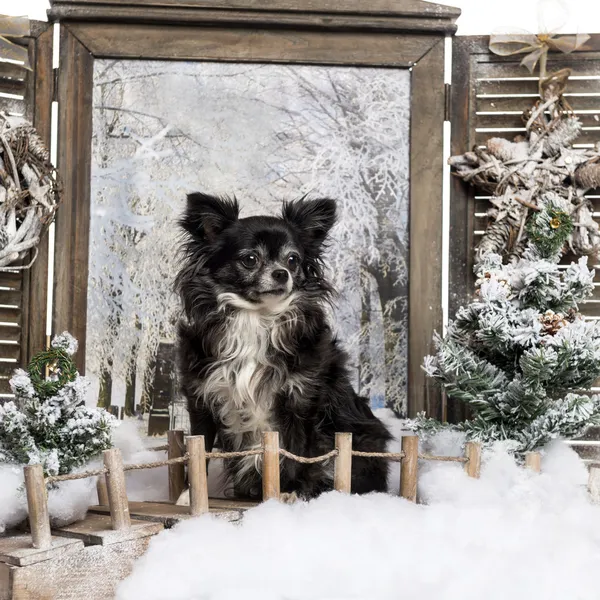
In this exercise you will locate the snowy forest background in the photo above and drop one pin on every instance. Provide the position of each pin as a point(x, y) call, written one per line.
point(265, 133)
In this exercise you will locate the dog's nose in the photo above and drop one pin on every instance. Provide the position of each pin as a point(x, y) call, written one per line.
point(280, 275)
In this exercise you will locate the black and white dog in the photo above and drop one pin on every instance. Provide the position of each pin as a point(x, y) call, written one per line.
point(255, 351)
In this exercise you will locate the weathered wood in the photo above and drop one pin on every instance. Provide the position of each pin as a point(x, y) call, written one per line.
point(409, 467)
point(117, 492)
point(73, 216)
point(154, 42)
point(473, 454)
point(342, 475)
point(90, 574)
point(170, 514)
point(102, 491)
point(426, 180)
point(176, 472)
point(197, 476)
point(37, 275)
point(17, 550)
point(533, 461)
point(270, 465)
point(204, 16)
point(95, 529)
point(384, 7)
point(37, 503)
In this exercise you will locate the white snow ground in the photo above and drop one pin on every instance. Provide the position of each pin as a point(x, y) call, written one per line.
point(511, 534)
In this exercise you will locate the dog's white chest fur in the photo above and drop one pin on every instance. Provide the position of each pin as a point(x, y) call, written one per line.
point(241, 386)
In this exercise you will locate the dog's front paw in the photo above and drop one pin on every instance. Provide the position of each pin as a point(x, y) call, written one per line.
point(184, 498)
point(289, 498)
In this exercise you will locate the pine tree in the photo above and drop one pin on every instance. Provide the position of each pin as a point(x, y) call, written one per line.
point(48, 422)
point(520, 354)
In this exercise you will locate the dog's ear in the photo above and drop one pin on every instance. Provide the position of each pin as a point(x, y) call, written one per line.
point(207, 216)
point(312, 218)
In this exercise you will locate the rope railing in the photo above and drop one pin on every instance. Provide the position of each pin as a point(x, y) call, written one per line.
point(191, 451)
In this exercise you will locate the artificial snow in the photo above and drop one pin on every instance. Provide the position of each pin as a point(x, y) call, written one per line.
point(511, 534)
point(67, 502)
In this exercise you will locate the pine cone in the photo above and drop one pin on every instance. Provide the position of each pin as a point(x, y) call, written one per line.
point(4, 237)
point(587, 176)
point(505, 150)
point(565, 132)
point(552, 322)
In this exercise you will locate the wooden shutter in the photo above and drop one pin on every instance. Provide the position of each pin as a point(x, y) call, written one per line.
point(489, 94)
point(23, 294)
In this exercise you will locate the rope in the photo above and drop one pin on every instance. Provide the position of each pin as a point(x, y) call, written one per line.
point(460, 459)
point(71, 476)
point(308, 461)
point(394, 456)
point(234, 454)
point(159, 448)
point(160, 463)
point(387, 455)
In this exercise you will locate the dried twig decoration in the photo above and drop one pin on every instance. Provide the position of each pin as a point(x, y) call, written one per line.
point(540, 165)
point(29, 192)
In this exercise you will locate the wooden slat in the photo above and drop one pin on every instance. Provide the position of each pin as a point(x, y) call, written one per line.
point(384, 7)
point(73, 217)
point(10, 351)
point(10, 314)
point(12, 106)
point(426, 176)
point(36, 278)
point(10, 280)
point(164, 15)
point(10, 297)
point(511, 103)
point(154, 42)
point(587, 137)
point(12, 86)
point(10, 334)
point(522, 87)
point(581, 65)
point(499, 120)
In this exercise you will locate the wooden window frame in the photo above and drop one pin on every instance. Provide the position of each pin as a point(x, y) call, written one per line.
point(270, 31)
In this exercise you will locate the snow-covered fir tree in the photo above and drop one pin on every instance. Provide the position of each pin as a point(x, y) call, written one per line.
point(520, 354)
point(48, 422)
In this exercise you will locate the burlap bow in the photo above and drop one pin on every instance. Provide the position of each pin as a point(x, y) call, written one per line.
point(14, 27)
point(535, 47)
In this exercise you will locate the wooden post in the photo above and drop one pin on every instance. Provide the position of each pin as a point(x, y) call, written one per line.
point(37, 501)
point(117, 493)
point(409, 464)
point(176, 472)
point(197, 477)
point(102, 491)
point(473, 454)
point(533, 461)
point(270, 465)
point(342, 475)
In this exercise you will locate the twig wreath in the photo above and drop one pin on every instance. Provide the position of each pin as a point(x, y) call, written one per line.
point(29, 191)
point(542, 165)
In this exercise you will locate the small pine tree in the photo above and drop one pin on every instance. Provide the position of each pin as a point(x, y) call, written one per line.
point(48, 422)
point(520, 354)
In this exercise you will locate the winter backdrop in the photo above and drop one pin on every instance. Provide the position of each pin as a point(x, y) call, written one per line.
point(265, 133)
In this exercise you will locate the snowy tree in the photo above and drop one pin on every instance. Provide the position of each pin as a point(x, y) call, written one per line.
point(48, 422)
point(266, 133)
point(521, 355)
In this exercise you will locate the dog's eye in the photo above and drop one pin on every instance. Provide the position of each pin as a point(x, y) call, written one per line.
point(250, 261)
point(293, 261)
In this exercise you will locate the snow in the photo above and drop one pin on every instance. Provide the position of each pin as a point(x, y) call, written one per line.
point(67, 502)
point(511, 534)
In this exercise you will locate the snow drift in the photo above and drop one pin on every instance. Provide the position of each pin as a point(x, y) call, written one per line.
point(511, 534)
